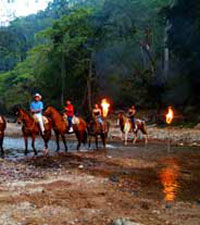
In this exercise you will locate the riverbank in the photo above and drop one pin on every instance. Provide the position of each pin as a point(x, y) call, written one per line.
point(176, 135)
point(146, 185)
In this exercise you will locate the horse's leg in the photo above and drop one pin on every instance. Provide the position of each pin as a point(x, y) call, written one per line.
point(57, 141)
point(122, 137)
point(146, 138)
point(135, 138)
point(1, 145)
point(85, 136)
point(89, 141)
point(96, 141)
point(78, 145)
point(144, 131)
point(78, 136)
point(103, 140)
point(125, 138)
point(33, 144)
point(26, 145)
point(46, 138)
point(64, 142)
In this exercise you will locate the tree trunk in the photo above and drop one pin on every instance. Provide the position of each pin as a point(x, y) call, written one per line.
point(147, 50)
point(63, 75)
point(166, 51)
point(89, 81)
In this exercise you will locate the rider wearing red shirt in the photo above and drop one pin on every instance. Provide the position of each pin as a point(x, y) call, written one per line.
point(69, 108)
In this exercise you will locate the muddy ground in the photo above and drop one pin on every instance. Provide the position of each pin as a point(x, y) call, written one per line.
point(145, 184)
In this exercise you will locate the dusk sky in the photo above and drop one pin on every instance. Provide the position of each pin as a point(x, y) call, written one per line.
point(14, 8)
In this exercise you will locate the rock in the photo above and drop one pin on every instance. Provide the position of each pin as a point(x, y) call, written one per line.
point(117, 222)
point(197, 126)
point(156, 212)
point(80, 166)
point(198, 202)
point(114, 178)
point(123, 221)
point(194, 144)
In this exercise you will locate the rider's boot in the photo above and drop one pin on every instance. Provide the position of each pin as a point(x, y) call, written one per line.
point(70, 130)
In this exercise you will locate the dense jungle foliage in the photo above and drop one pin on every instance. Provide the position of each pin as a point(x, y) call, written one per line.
point(145, 52)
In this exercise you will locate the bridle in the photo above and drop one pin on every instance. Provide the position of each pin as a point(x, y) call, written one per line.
point(21, 119)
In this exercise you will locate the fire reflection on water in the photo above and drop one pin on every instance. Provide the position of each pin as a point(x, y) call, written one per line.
point(169, 179)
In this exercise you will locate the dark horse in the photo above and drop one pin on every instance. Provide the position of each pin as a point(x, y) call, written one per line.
point(95, 129)
point(2, 129)
point(60, 127)
point(30, 128)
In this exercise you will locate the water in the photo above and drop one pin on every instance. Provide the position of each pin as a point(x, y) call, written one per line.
point(14, 147)
point(174, 175)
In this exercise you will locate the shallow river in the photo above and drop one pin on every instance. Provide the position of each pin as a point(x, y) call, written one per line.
point(175, 175)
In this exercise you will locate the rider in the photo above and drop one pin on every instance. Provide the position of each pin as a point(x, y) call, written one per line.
point(97, 114)
point(69, 112)
point(36, 108)
point(131, 115)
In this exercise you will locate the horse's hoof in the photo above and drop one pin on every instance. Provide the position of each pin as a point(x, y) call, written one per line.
point(45, 151)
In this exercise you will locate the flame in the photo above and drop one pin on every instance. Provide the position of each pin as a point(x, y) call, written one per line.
point(105, 106)
point(169, 115)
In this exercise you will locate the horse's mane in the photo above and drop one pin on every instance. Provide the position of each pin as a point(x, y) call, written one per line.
point(26, 113)
point(54, 110)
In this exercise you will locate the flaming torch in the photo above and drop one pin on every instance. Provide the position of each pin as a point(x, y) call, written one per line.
point(169, 115)
point(105, 106)
point(169, 119)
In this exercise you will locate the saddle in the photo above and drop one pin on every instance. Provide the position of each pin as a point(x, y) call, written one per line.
point(44, 119)
point(1, 119)
point(75, 119)
point(136, 126)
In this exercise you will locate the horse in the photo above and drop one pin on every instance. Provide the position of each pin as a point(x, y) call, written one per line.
point(2, 129)
point(126, 127)
point(30, 128)
point(95, 129)
point(60, 127)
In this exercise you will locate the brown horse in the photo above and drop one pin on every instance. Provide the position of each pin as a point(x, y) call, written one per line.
point(30, 128)
point(126, 127)
point(95, 129)
point(60, 127)
point(2, 129)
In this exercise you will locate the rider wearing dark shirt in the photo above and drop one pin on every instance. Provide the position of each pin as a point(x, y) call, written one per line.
point(131, 115)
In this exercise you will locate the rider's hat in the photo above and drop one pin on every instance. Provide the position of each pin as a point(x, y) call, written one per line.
point(37, 95)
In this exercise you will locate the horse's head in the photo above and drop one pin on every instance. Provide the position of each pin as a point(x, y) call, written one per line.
point(48, 111)
point(20, 115)
point(120, 119)
point(17, 111)
point(120, 116)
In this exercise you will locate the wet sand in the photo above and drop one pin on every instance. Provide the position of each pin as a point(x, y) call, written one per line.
point(146, 184)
